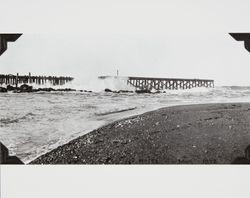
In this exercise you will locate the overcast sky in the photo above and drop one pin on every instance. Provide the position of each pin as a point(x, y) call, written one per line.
point(84, 39)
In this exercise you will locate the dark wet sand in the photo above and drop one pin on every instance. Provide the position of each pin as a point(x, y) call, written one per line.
point(191, 134)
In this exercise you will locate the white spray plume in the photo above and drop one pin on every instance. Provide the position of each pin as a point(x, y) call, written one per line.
point(92, 84)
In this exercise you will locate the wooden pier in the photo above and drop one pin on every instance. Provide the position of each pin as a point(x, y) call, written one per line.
point(29, 79)
point(147, 83)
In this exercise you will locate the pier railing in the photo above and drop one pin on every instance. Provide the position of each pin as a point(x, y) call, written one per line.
point(19, 79)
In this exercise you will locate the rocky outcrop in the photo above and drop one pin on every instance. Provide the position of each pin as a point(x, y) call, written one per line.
point(66, 89)
point(43, 89)
point(108, 90)
point(120, 91)
point(10, 88)
point(143, 91)
point(86, 91)
point(25, 88)
point(51, 89)
point(3, 90)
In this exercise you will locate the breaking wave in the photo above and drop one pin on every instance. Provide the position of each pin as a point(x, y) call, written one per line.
point(7, 121)
point(115, 111)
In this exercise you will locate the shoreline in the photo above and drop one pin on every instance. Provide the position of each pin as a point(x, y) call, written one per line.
point(214, 133)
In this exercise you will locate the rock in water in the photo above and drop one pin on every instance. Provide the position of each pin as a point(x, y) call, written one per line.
point(25, 88)
point(3, 90)
point(46, 89)
point(108, 90)
point(66, 89)
point(143, 91)
point(125, 91)
point(10, 88)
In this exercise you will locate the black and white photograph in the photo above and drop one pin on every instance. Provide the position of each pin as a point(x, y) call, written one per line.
point(125, 83)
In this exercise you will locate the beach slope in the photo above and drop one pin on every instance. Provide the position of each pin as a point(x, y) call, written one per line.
point(190, 134)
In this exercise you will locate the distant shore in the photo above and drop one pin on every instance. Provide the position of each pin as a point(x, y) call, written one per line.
point(190, 134)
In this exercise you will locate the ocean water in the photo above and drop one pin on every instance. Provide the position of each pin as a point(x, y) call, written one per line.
point(34, 123)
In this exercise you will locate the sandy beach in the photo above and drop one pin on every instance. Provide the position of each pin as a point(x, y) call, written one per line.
point(190, 134)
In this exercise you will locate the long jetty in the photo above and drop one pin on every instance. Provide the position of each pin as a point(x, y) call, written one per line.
point(40, 80)
point(148, 83)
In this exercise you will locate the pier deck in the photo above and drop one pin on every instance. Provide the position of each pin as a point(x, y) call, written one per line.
point(149, 83)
